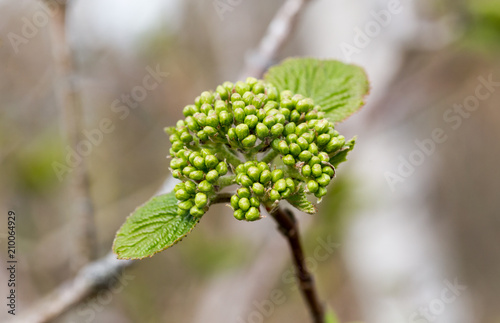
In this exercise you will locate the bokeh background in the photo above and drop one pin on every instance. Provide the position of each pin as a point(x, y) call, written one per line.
point(410, 231)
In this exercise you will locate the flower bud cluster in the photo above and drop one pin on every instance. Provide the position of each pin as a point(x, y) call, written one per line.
point(248, 119)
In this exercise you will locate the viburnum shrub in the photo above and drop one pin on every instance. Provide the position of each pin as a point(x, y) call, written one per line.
point(271, 139)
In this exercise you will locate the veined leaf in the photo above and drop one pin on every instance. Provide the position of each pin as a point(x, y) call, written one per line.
point(300, 201)
point(153, 227)
point(341, 155)
point(337, 87)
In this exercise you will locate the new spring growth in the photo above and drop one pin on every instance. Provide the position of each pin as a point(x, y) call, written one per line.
point(268, 143)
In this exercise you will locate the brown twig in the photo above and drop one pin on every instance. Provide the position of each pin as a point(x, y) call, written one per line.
point(70, 100)
point(288, 227)
point(276, 36)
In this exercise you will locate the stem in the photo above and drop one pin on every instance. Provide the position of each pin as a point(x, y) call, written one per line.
point(270, 156)
point(224, 153)
point(226, 180)
point(288, 227)
point(222, 198)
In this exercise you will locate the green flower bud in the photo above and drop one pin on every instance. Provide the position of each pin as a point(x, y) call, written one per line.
point(275, 144)
point(244, 204)
point(175, 163)
point(290, 128)
point(241, 87)
point(277, 130)
point(328, 171)
point(200, 200)
point(285, 113)
point(190, 187)
point(258, 189)
point(228, 86)
point(221, 168)
point(211, 161)
point(197, 175)
point(286, 193)
point(197, 101)
point(291, 138)
point(243, 192)
point(201, 119)
point(303, 106)
point(182, 195)
point(251, 121)
point(235, 97)
point(269, 121)
point(261, 130)
point(305, 156)
point(312, 118)
point(274, 195)
point(296, 98)
point(265, 176)
point(187, 170)
point(335, 144)
point(272, 112)
point(277, 174)
point(212, 176)
point(202, 135)
point(308, 136)
point(322, 126)
point(280, 185)
point(312, 186)
point(223, 93)
point(295, 149)
point(212, 120)
point(314, 160)
point(234, 202)
point(262, 166)
point(254, 173)
point(280, 118)
point(248, 97)
point(196, 212)
point(317, 171)
point(210, 131)
point(192, 124)
point(231, 134)
point(303, 144)
point(283, 147)
point(290, 183)
point(261, 114)
point(287, 94)
point(225, 118)
point(239, 214)
point(206, 97)
point(288, 160)
point(176, 174)
point(271, 105)
point(294, 116)
point(252, 214)
point(206, 108)
point(206, 187)
point(189, 110)
point(324, 180)
point(246, 181)
point(242, 131)
point(254, 202)
point(258, 88)
point(272, 93)
point(323, 139)
point(323, 157)
point(257, 102)
point(240, 169)
point(249, 141)
point(287, 104)
point(306, 170)
point(239, 115)
point(249, 164)
point(321, 192)
point(250, 110)
point(199, 162)
point(178, 145)
point(220, 106)
point(186, 205)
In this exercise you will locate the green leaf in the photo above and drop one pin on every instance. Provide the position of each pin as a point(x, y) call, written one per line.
point(153, 227)
point(300, 201)
point(337, 87)
point(330, 316)
point(341, 155)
